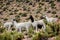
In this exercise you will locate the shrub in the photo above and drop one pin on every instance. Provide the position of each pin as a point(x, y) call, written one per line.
point(27, 1)
point(36, 16)
point(57, 37)
point(58, 0)
point(18, 0)
point(24, 15)
point(49, 31)
point(41, 3)
point(5, 36)
point(0, 24)
point(21, 0)
point(4, 9)
point(59, 17)
point(52, 5)
point(11, 35)
point(51, 2)
point(49, 12)
point(31, 31)
point(38, 11)
point(2, 29)
point(47, 0)
point(15, 10)
point(56, 16)
point(10, 0)
point(17, 16)
point(17, 35)
point(54, 12)
point(5, 19)
point(40, 36)
point(37, 0)
point(20, 13)
point(55, 28)
point(8, 3)
point(24, 8)
point(11, 14)
point(43, 0)
point(45, 9)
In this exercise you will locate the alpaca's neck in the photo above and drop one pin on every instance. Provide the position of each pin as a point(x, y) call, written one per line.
point(47, 18)
point(15, 23)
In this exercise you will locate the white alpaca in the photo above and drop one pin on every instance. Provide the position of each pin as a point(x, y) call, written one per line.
point(20, 25)
point(41, 22)
point(8, 25)
point(51, 19)
point(36, 23)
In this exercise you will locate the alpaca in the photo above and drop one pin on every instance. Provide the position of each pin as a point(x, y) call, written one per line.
point(22, 24)
point(41, 22)
point(50, 19)
point(36, 23)
point(8, 25)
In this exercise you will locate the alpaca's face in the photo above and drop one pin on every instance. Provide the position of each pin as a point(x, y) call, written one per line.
point(44, 16)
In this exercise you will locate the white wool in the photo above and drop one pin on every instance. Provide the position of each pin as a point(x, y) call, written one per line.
point(51, 19)
point(20, 25)
point(41, 22)
point(8, 25)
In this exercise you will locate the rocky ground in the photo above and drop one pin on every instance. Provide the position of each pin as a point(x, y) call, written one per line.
point(20, 10)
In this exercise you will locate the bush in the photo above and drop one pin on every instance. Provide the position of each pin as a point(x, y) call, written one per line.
point(21, 0)
point(5, 19)
point(52, 5)
point(40, 36)
point(58, 0)
point(24, 8)
point(0, 24)
point(4, 8)
point(54, 12)
point(59, 17)
point(18, 0)
point(24, 15)
point(11, 35)
point(49, 31)
point(49, 12)
point(57, 37)
point(11, 14)
point(55, 28)
point(31, 32)
point(2, 29)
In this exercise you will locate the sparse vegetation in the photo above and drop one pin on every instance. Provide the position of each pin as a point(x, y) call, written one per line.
point(11, 36)
point(24, 15)
point(54, 12)
point(11, 14)
point(5, 19)
point(57, 37)
point(49, 12)
point(58, 0)
point(52, 5)
point(23, 8)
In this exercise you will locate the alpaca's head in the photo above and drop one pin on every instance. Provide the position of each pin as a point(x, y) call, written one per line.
point(45, 16)
point(31, 17)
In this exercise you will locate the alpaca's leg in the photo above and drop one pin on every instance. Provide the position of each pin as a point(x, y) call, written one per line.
point(9, 28)
point(20, 29)
point(36, 29)
point(44, 27)
point(27, 28)
point(5, 27)
point(16, 29)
